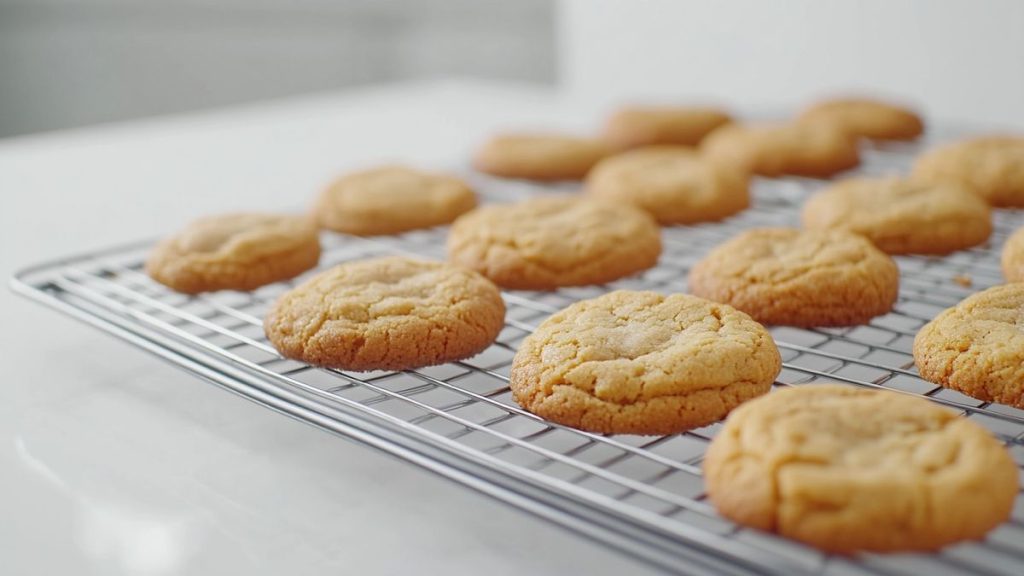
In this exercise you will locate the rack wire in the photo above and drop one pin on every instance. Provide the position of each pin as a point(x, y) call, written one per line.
point(643, 495)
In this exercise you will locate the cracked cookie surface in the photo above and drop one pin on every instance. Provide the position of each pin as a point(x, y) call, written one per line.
point(546, 242)
point(1012, 258)
point(903, 216)
point(540, 156)
point(977, 346)
point(633, 126)
point(673, 184)
point(392, 199)
point(799, 277)
point(847, 469)
point(387, 314)
point(867, 118)
point(235, 252)
point(991, 166)
point(643, 363)
point(774, 149)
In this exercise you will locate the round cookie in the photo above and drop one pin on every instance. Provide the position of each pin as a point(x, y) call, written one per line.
point(635, 126)
point(847, 469)
point(235, 252)
point(866, 118)
point(674, 184)
point(802, 149)
point(977, 346)
point(392, 199)
point(540, 156)
point(799, 277)
point(643, 363)
point(992, 166)
point(903, 216)
point(1013, 257)
point(543, 243)
point(387, 314)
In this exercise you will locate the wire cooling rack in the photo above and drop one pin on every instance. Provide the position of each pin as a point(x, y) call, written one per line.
point(643, 495)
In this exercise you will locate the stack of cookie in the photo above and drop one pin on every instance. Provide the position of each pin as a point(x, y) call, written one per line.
point(837, 467)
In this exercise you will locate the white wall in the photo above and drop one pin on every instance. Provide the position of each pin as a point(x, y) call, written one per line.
point(73, 62)
point(961, 60)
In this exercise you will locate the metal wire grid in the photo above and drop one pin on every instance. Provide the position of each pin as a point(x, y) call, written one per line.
point(652, 486)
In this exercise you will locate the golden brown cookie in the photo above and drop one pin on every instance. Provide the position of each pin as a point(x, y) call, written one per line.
point(977, 346)
point(544, 243)
point(803, 149)
point(540, 156)
point(392, 199)
point(992, 166)
point(847, 469)
point(1013, 257)
point(903, 216)
point(635, 126)
point(674, 184)
point(387, 314)
point(867, 118)
point(235, 252)
point(799, 278)
point(643, 363)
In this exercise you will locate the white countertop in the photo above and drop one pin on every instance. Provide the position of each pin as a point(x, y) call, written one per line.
point(112, 462)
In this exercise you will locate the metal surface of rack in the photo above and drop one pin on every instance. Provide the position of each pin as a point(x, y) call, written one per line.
point(643, 495)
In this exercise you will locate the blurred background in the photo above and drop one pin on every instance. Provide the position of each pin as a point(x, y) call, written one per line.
point(69, 63)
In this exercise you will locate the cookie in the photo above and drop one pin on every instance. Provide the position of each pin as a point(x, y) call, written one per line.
point(235, 252)
point(643, 363)
point(392, 199)
point(799, 277)
point(387, 314)
point(802, 149)
point(977, 346)
point(867, 118)
point(636, 126)
point(1013, 257)
point(674, 184)
point(544, 243)
point(992, 166)
point(540, 156)
point(847, 469)
point(903, 216)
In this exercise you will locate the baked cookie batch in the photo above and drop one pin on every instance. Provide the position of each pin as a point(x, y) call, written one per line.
point(841, 468)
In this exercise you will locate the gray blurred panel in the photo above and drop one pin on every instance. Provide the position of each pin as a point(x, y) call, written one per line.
point(68, 63)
